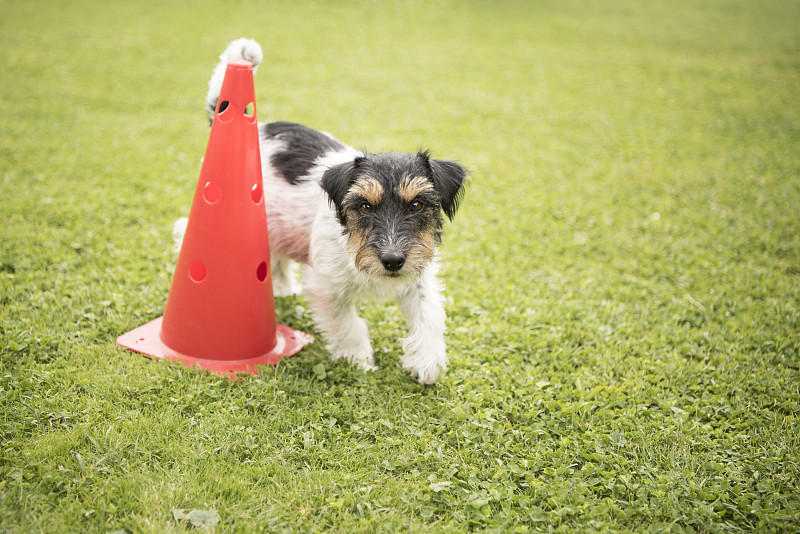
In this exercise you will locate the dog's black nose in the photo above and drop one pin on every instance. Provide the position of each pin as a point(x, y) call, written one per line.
point(393, 262)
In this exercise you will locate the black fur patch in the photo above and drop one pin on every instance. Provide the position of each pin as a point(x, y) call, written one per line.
point(303, 146)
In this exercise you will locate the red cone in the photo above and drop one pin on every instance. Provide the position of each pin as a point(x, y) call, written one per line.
point(220, 313)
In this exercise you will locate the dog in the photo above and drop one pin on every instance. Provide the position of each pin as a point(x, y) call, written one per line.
point(361, 224)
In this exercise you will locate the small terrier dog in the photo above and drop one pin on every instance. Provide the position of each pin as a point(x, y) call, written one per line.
point(362, 225)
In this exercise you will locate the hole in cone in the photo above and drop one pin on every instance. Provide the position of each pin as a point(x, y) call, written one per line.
point(225, 111)
point(212, 193)
point(257, 193)
point(261, 272)
point(250, 111)
point(197, 271)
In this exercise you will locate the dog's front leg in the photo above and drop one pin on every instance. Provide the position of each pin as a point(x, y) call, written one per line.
point(335, 315)
point(424, 349)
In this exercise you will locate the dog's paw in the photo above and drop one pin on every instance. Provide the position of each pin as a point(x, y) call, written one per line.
point(246, 49)
point(285, 289)
point(366, 366)
point(426, 374)
point(360, 357)
point(425, 366)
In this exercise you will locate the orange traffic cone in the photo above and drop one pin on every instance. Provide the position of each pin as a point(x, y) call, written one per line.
point(220, 313)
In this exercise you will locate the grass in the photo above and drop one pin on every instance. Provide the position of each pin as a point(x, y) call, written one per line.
point(623, 279)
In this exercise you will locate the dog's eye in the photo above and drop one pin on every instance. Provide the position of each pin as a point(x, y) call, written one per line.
point(415, 205)
point(366, 208)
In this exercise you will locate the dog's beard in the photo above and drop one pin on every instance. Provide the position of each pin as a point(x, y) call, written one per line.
point(418, 254)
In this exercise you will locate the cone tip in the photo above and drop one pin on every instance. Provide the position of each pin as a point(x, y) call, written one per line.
point(240, 64)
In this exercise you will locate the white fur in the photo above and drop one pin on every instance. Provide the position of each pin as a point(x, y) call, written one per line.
point(303, 228)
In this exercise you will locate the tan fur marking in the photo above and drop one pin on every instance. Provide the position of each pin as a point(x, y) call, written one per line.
point(367, 262)
point(421, 253)
point(365, 258)
point(412, 186)
point(370, 189)
point(356, 239)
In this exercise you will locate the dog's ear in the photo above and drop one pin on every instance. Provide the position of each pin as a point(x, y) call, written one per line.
point(448, 179)
point(336, 182)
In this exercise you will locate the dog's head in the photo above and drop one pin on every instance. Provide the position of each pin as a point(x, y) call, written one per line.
point(390, 206)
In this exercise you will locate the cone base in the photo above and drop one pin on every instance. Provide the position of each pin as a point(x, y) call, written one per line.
point(147, 340)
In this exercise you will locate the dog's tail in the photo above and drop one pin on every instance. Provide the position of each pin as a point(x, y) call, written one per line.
point(243, 48)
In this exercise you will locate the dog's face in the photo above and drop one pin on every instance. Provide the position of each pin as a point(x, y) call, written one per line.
point(390, 206)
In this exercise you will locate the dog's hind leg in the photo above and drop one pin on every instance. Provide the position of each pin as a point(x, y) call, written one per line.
point(284, 280)
point(178, 230)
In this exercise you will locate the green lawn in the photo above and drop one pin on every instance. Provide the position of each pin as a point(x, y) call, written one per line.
point(623, 279)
